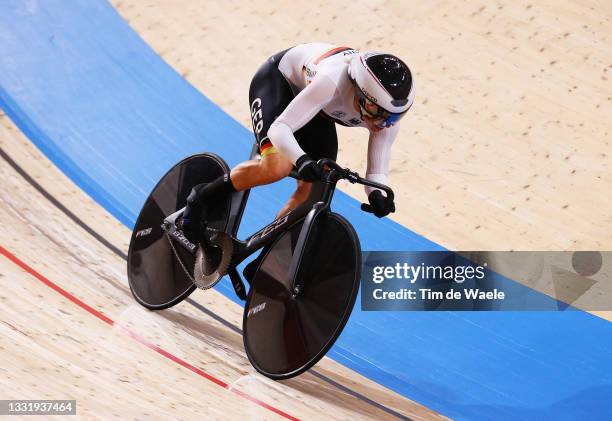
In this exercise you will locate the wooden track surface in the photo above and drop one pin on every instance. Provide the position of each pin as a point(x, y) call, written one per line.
point(508, 143)
point(52, 348)
point(507, 147)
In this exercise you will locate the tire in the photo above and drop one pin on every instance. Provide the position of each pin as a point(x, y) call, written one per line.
point(285, 335)
point(156, 278)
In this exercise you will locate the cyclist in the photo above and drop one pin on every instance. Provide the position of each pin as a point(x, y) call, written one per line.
point(296, 99)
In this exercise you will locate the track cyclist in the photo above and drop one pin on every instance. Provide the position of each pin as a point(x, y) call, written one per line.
point(296, 97)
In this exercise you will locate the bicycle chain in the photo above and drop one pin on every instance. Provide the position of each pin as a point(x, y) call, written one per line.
point(189, 275)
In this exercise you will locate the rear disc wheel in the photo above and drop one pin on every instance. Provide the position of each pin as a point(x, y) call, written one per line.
point(156, 277)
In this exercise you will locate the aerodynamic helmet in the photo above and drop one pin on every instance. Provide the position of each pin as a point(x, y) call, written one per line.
point(384, 86)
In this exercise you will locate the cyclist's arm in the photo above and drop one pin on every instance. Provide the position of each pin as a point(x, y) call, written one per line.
point(299, 112)
point(379, 155)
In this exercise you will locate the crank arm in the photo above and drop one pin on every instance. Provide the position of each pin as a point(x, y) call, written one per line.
point(169, 227)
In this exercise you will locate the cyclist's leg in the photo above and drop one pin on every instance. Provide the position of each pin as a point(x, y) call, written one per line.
point(319, 140)
point(256, 172)
point(299, 196)
point(269, 95)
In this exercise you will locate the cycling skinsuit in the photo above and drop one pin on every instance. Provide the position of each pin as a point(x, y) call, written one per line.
point(296, 98)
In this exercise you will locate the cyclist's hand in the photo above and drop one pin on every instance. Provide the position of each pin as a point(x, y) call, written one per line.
point(308, 169)
point(379, 204)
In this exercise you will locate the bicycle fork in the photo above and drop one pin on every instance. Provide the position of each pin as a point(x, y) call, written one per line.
point(297, 283)
point(298, 254)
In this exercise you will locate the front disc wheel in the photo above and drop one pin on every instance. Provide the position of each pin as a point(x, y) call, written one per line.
point(286, 334)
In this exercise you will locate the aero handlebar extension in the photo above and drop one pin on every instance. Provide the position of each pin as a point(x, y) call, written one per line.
point(353, 177)
point(345, 173)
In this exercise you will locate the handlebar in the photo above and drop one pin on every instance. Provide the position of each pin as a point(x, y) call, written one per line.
point(351, 177)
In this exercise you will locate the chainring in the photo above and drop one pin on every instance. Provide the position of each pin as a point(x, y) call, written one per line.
point(213, 260)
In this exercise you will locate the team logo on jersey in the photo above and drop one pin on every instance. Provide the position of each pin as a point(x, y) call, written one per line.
point(256, 115)
point(310, 73)
point(338, 114)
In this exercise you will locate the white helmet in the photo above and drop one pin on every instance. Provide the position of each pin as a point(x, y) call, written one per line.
point(384, 84)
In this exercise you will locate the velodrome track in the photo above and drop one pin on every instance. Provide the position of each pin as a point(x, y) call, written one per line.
point(114, 143)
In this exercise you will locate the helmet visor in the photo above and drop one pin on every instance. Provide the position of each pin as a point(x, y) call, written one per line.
point(382, 118)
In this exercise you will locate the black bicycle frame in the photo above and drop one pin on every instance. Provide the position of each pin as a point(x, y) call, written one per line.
point(318, 201)
point(270, 232)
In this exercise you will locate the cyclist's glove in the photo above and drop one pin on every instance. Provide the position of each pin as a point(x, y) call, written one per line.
point(379, 204)
point(308, 169)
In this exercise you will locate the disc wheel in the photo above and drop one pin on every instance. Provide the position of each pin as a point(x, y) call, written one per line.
point(286, 334)
point(157, 278)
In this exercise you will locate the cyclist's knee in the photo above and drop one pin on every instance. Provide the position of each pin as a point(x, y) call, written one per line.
point(275, 167)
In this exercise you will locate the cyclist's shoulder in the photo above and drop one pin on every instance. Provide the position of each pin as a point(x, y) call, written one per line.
point(312, 48)
point(331, 61)
point(318, 54)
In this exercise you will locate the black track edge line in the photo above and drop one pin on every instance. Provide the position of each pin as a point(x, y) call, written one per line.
point(61, 207)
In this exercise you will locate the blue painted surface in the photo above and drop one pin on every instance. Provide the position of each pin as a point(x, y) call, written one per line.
point(114, 117)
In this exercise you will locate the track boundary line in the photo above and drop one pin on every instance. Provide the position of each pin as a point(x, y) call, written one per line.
point(195, 304)
point(101, 316)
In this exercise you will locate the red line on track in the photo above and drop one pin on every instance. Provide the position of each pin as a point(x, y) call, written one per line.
point(137, 337)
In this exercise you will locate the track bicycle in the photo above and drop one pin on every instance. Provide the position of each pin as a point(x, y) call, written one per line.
point(304, 288)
